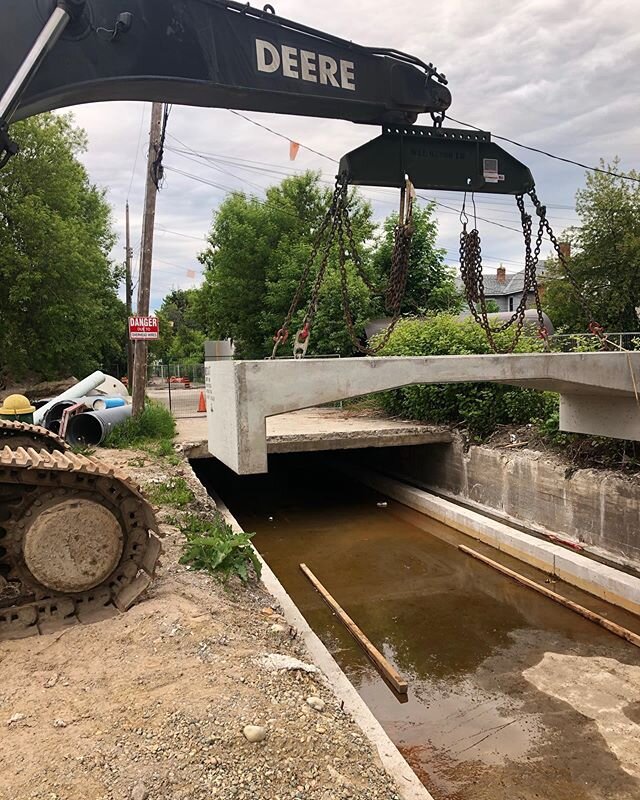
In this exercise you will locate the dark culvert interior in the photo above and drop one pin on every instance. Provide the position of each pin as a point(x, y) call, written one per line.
point(475, 724)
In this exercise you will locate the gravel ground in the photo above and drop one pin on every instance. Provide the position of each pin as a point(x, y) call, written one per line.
point(153, 703)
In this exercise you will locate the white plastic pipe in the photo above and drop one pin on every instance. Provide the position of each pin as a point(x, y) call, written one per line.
point(74, 393)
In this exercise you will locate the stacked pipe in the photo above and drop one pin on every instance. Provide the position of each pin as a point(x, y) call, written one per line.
point(92, 427)
point(104, 411)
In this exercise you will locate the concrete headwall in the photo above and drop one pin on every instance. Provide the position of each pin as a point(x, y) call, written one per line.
point(598, 508)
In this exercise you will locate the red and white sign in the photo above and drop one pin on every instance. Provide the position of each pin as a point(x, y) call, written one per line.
point(144, 328)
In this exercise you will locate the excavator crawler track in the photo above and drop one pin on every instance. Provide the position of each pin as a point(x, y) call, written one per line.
point(77, 538)
point(21, 434)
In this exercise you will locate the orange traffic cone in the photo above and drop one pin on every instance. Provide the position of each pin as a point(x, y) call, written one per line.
point(202, 405)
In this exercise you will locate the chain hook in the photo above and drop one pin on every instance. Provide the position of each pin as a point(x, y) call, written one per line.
point(464, 218)
point(438, 118)
point(301, 343)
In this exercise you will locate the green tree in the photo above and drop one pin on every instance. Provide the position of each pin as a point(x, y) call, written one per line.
point(431, 283)
point(479, 406)
point(605, 257)
point(58, 289)
point(181, 334)
point(256, 254)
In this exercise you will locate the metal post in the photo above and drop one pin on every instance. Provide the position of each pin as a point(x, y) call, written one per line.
point(49, 35)
point(169, 385)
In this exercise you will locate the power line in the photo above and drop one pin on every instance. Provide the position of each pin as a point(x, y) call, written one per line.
point(211, 160)
point(206, 182)
point(135, 163)
point(177, 233)
point(282, 136)
point(177, 267)
point(551, 155)
point(335, 161)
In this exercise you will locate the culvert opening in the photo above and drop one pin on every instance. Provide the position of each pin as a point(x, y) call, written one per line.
point(491, 666)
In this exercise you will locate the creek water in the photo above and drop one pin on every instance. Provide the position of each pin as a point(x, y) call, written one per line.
point(463, 635)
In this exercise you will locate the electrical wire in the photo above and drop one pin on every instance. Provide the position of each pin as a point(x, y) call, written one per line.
point(177, 233)
point(282, 136)
point(135, 162)
point(620, 175)
point(335, 161)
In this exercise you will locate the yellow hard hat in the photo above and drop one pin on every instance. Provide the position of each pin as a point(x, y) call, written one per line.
point(16, 405)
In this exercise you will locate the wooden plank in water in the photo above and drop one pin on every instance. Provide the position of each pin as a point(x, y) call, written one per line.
point(605, 623)
point(379, 661)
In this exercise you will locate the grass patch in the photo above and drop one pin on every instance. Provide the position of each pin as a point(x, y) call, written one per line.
point(213, 546)
point(369, 402)
point(154, 427)
point(83, 450)
point(162, 448)
point(175, 492)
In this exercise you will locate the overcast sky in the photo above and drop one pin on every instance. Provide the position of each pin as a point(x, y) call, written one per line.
point(562, 76)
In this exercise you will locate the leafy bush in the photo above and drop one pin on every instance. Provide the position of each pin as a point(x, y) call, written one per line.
point(213, 546)
point(478, 406)
point(155, 423)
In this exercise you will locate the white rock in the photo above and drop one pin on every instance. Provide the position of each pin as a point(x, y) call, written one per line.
point(59, 723)
point(15, 718)
point(277, 627)
point(139, 792)
point(254, 733)
point(277, 661)
point(316, 702)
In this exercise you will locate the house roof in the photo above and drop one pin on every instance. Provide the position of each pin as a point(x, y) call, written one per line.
point(513, 284)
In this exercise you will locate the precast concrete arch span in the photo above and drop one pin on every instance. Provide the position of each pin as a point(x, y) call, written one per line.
point(598, 391)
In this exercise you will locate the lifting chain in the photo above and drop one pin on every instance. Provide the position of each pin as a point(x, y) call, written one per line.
point(336, 229)
point(471, 272)
point(594, 327)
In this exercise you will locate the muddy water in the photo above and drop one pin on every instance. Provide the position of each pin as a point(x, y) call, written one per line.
point(473, 726)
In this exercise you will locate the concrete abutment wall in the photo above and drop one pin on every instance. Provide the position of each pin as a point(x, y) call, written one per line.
point(594, 507)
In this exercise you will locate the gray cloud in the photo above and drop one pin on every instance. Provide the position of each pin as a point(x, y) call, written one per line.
point(557, 75)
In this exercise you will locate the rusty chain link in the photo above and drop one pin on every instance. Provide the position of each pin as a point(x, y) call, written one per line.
point(471, 271)
point(594, 327)
point(394, 293)
point(336, 229)
point(329, 219)
point(473, 280)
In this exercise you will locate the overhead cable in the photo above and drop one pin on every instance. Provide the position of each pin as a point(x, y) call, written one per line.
point(620, 175)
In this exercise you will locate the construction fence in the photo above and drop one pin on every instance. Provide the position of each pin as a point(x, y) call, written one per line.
point(180, 387)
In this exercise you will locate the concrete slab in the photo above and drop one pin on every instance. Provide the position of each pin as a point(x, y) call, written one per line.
point(316, 429)
point(242, 394)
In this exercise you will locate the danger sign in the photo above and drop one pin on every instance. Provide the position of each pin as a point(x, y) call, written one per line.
point(144, 328)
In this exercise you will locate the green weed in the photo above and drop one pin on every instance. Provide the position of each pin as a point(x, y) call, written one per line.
point(175, 492)
point(83, 450)
point(154, 424)
point(213, 546)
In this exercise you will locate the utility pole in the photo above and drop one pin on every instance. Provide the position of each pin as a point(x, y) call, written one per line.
point(144, 284)
point(129, 290)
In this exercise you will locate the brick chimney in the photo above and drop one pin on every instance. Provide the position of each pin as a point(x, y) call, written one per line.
point(565, 249)
point(501, 275)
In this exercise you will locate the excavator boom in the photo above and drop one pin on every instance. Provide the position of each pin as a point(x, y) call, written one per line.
point(213, 53)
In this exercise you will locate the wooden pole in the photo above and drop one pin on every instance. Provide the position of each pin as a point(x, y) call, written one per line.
point(146, 256)
point(379, 661)
point(129, 289)
point(605, 623)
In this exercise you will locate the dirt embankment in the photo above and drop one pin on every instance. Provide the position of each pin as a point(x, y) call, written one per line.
point(152, 703)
